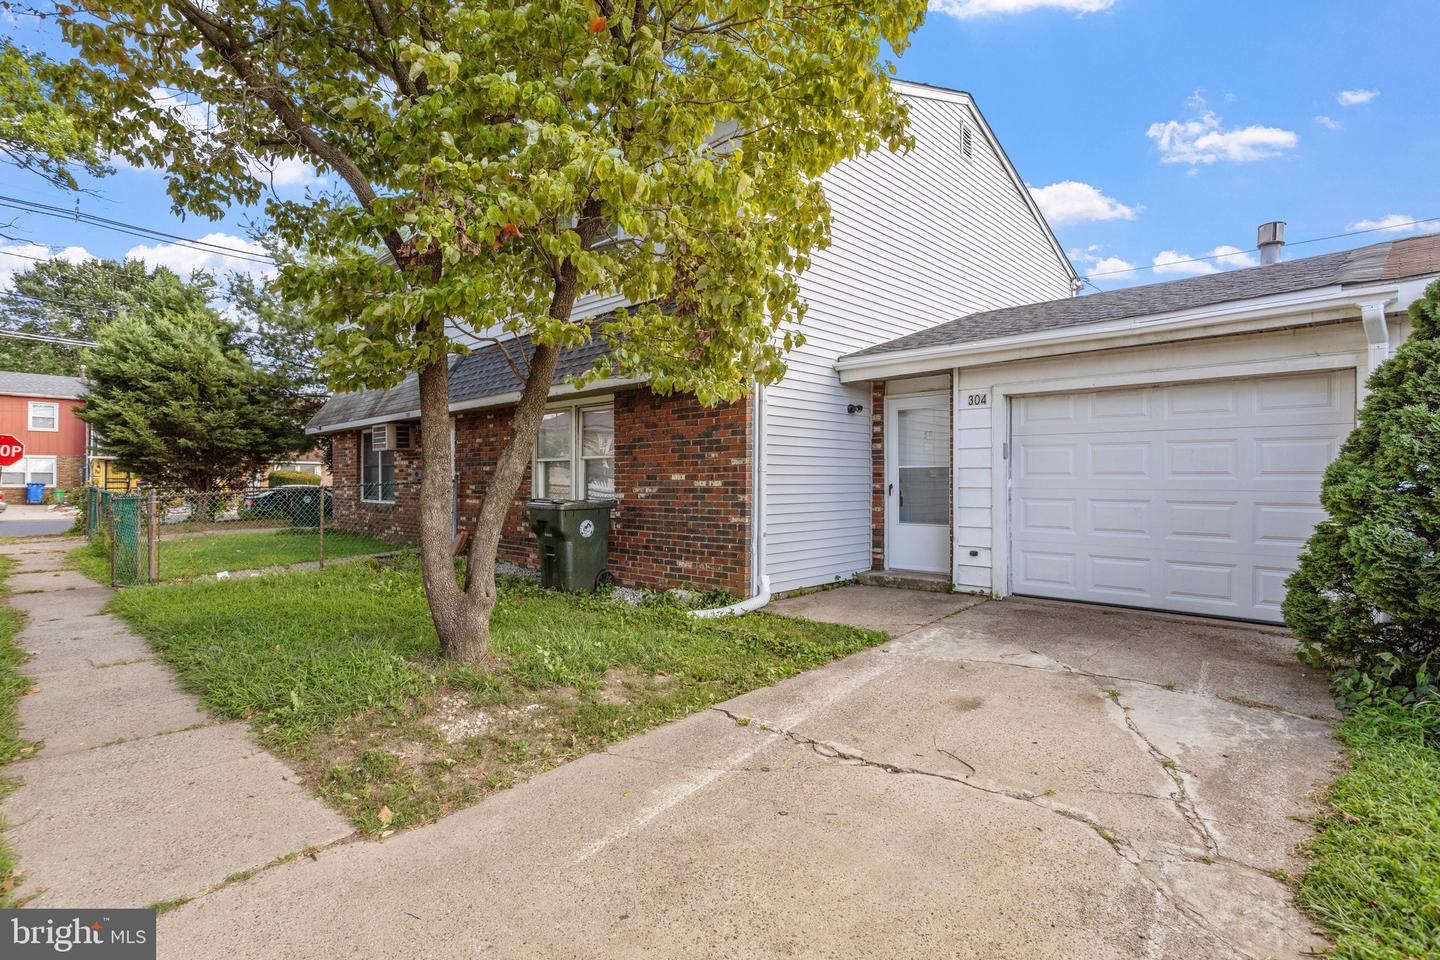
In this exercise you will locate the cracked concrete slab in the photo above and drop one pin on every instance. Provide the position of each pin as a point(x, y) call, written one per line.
point(885, 609)
point(158, 818)
point(48, 580)
point(43, 606)
point(1215, 658)
point(112, 704)
point(952, 793)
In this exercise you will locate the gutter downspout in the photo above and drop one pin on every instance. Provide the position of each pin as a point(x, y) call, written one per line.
point(760, 580)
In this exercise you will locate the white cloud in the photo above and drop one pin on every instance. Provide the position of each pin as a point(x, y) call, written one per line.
point(1351, 98)
point(1329, 123)
point(23, 258)
point(1392, 223)
point(184, 260)
point(288, 172)
point(1091, 263)
point(1070, 201)
point(1205, 139)
point(970, 9)
point(1114, 268)
point(1184, 264)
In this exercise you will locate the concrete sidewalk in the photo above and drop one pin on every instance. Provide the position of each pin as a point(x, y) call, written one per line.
point(136, 796)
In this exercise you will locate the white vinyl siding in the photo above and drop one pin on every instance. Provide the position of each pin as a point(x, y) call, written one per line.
point(918, 239)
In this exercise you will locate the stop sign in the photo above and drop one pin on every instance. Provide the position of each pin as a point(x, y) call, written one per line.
point(11, 450)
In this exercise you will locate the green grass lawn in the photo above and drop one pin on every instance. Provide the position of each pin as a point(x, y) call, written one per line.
point(196, 555)
point(1375, 876)
point(339, 671)
point(13, 685)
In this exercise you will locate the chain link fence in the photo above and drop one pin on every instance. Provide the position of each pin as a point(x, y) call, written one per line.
point(149, 536)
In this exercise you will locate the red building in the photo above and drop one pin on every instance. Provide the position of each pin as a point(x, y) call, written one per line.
point(39, 410)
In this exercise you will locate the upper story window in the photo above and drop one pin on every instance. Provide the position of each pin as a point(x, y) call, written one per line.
point(377, 471)
point(44, 416)
point(575, 453)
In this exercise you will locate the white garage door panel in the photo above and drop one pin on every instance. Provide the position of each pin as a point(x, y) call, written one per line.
point(1193, 497)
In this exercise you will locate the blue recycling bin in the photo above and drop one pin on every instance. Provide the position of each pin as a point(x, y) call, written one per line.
point(34, 493)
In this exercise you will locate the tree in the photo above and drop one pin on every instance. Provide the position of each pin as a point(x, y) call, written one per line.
point(177, 401)
point(36, 132)
point(1366, 597)
point(279, 337)
point(497, 160)
point(69, 300)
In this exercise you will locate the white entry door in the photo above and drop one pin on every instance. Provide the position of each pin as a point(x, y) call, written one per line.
point(917, 482)
point(1190, 497)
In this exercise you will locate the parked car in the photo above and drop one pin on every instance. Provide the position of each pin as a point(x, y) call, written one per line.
point(296, 503)
point(2, 501)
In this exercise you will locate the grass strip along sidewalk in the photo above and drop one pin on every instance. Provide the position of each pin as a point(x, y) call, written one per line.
point(339, 672)
point(1374, 880)
point(13, 685)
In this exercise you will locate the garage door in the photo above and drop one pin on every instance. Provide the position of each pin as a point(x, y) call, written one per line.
point(1189, 497)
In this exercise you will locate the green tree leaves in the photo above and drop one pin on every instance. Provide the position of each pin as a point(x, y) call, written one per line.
point(673, 154)
point(36, 133)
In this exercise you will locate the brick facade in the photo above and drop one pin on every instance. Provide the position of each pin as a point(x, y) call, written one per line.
point(69, 476)
point(682, 476)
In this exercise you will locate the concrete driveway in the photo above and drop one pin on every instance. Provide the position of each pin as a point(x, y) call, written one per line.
point(1018, 779)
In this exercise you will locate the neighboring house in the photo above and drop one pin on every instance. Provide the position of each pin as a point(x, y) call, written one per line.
point(311, 461)
point(39, 409)
point(773, 492)
point(1160, 446)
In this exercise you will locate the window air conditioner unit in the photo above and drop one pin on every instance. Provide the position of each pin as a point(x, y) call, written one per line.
point(395, 436)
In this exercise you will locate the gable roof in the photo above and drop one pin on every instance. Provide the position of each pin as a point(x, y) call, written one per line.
point(16, 384)
point(473, 377)
point(915, 88)
point(1392, 260)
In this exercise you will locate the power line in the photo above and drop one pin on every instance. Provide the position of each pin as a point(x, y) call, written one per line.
point(45, 338)
point(1292, 243)
point(132, 229)
point(16, 295)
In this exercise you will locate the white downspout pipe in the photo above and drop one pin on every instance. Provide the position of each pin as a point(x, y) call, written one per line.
point(760, 585)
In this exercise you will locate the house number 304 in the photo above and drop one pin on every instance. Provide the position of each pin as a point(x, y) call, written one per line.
point(977, 399)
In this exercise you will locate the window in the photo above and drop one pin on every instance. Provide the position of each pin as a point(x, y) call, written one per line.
point(377, 472)
point(29, 470)
point(575, 454)
point(45, 416)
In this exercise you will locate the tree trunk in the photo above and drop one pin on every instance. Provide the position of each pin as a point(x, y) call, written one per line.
point(437, 567)
point(462, 616)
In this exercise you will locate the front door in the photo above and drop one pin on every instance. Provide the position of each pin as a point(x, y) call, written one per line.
point(917, 482)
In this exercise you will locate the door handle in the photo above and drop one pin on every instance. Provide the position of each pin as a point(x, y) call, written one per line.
point(891, 491)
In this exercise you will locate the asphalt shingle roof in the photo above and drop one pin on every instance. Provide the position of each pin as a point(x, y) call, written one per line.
point(475, 376)
point(40, 385)
point(1394, 260)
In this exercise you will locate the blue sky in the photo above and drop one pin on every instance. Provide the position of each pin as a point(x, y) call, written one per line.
point(1151, 130)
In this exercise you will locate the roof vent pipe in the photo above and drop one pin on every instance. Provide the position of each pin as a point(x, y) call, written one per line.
point(1270, 241)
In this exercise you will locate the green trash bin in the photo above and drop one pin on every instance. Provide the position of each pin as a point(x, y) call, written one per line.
point(574, 540)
